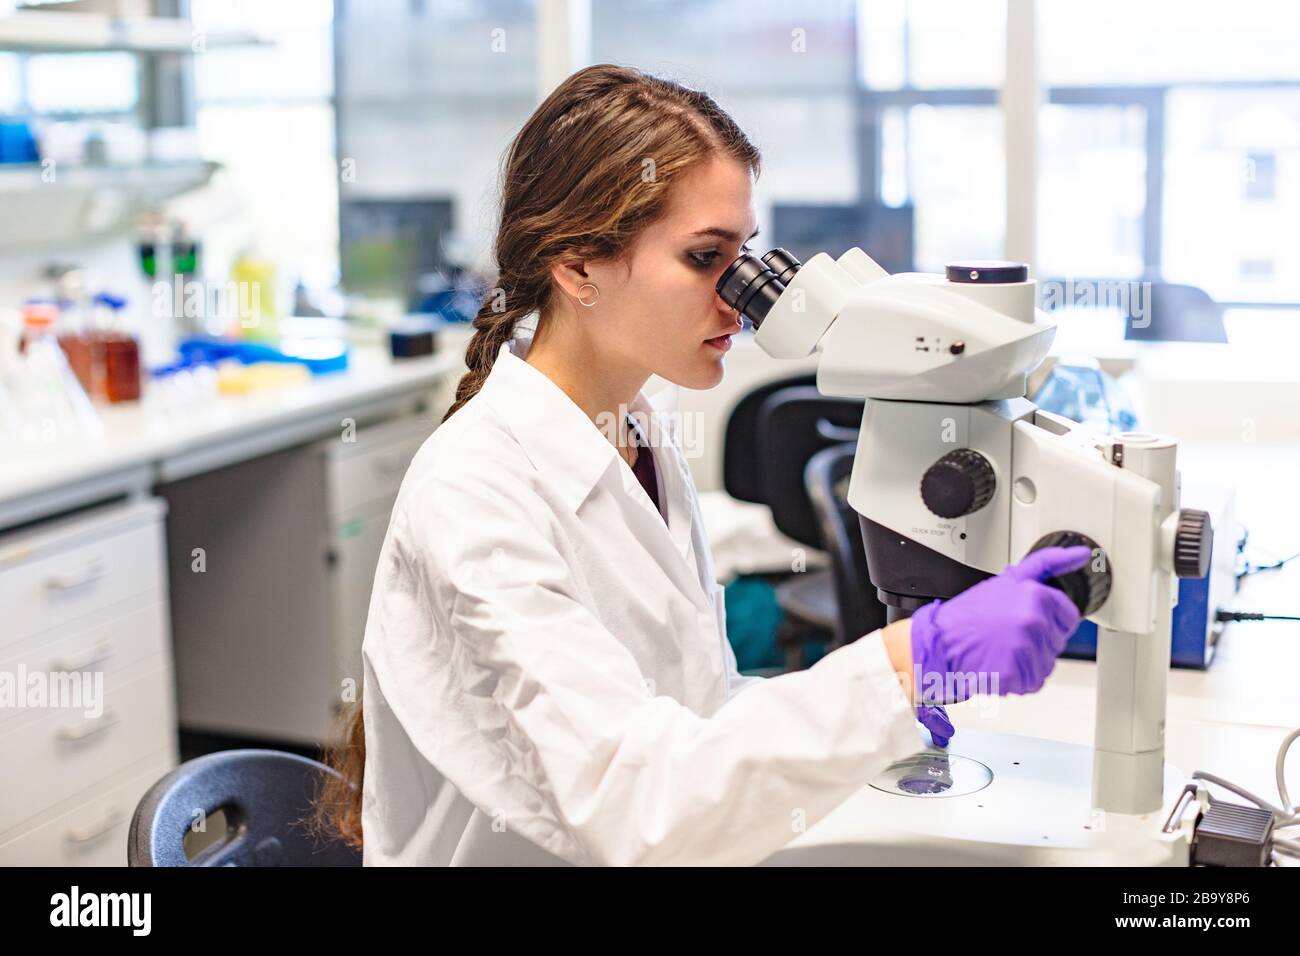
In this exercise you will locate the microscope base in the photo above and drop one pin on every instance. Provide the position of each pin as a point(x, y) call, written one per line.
point(1035, 812)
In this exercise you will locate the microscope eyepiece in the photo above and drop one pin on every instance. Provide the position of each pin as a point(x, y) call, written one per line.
point(751, 286)
point(783, 263)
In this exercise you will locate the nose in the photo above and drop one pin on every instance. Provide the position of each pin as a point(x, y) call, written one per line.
point(722, 306)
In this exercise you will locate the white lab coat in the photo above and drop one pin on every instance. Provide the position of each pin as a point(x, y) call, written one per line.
point(547, 673)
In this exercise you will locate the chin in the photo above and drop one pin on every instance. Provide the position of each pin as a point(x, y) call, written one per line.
point(710, 376)
point(697, 375)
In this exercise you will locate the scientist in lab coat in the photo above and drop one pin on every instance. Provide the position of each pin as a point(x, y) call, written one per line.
point(547, 677)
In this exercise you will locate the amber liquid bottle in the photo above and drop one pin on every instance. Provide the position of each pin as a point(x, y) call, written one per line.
point(121, 356)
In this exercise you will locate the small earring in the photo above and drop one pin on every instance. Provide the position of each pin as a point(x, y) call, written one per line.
point(588, 285)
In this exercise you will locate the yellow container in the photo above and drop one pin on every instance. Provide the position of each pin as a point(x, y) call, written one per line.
point(254, 308)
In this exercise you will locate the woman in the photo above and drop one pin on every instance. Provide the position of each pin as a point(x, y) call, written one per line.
point(547, 675)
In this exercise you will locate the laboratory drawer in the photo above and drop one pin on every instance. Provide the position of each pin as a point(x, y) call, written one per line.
point(131, 640)
point(372, 468)
point(67, 569)
point(65, 752)
point(94, 833)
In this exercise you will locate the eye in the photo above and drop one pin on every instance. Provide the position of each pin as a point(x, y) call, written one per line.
point(706, 259)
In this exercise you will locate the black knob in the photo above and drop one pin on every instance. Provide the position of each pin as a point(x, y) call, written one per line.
point(959, 483)
point(1193, 542)
point(1089, 586)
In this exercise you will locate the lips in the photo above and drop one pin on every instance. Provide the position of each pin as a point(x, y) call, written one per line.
point(720, 342)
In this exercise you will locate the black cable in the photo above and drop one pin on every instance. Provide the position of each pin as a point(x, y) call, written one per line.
point(1252, 616)
point(1246, 567)
point(1256, 568)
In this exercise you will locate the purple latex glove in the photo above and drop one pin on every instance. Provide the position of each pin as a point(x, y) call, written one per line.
point(935, 719)
point(1003, 634)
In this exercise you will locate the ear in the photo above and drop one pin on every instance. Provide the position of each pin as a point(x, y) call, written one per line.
point(569, 275)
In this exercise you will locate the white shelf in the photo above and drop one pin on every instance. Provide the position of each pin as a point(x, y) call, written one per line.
point(163, 178)
point(83, 202)
point(73, 31)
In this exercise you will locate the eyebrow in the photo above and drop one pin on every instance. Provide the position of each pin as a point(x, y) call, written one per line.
point(723, 233)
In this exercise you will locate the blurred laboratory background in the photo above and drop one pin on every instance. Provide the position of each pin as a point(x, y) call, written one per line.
point(241, 241)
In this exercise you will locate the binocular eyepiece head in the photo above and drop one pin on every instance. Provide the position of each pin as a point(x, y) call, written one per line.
point(751, 285)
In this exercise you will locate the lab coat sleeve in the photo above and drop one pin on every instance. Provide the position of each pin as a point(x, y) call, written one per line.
point(632, 778)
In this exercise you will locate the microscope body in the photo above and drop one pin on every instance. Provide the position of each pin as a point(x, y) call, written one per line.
point(957, 474)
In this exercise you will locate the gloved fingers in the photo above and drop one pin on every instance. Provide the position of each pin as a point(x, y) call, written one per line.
point(1049, 562)
point(1032, 668)
point(1060, 611)
point(964, 685)
point(935, 719)
point(1049, 637)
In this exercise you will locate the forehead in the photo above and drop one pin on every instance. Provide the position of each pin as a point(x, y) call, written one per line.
point(716, 193)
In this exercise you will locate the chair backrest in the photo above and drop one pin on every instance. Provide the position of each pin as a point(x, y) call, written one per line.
point(262, 794)
point(827, 478)
point(742, 474)
point(793, 425)
point(1177, 313)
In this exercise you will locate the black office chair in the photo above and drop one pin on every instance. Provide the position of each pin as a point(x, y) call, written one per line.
point(264, 795)
point(860, 610)
point(795, 423)
point(742, 468)
point(1177, 313)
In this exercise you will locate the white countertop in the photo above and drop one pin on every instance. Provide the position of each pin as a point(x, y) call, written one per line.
point(147, 435)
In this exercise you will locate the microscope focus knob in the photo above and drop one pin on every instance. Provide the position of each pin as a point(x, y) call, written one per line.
point(1193, 541)
point(1089, 586)
point(959, 483)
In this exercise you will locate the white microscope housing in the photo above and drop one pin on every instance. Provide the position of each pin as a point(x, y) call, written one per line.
point(956, 475)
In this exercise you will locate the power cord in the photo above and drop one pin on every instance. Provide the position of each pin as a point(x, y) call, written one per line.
point(1248, 567)
point(1253, 616)
point(1284, 816)
point(1245, 568)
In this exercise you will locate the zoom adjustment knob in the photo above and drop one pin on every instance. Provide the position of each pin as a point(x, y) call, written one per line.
point(1193, 542)
point(1089, 586)
point(959, 483)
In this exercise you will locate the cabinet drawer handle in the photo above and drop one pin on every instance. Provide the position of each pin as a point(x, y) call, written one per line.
point(90, 728)
point(96, 654)
point(112, 820)
point(93, 572)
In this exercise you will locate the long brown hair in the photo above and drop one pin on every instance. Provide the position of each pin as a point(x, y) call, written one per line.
point(585, 174)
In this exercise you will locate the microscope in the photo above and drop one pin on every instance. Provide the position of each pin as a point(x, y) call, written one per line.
point(957, 474)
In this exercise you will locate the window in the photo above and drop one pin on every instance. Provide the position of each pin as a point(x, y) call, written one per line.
point(933, 44)
point(1156, 42)
point(785, 73)
point(265, 113)
point(1232, 192)
point(424, 136)
point(1170, 147)
point(11, 69)
point(81, 82)
point(1091, 190)
point(954, 162)
point(930, 72)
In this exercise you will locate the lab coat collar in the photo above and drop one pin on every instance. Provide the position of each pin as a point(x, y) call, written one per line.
point(567, 447)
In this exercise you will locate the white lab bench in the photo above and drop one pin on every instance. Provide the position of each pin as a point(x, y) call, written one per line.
point(285, 491)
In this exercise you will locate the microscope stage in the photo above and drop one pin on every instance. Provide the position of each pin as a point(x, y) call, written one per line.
point(1033, 811)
